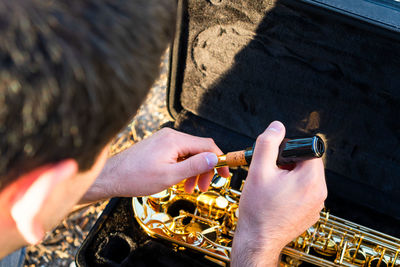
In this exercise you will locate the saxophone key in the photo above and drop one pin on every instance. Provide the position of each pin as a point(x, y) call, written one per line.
point(212, 205)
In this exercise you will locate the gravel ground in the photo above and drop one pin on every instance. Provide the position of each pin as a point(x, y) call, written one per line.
point(60, 246)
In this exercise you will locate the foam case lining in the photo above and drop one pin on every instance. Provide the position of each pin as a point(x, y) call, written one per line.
point(238, 65)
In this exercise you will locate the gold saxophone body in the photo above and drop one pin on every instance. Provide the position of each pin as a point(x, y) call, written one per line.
point(206, 221)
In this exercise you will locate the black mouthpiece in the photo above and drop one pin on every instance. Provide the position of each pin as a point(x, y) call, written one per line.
point(295, 150)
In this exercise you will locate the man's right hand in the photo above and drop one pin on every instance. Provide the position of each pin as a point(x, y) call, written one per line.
point(276, 205)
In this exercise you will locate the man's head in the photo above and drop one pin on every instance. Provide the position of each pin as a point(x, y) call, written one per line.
point(72, 74)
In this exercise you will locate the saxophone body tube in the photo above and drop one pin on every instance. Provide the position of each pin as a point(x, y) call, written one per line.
point(290, 151)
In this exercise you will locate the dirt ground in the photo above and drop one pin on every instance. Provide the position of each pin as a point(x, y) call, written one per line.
point(60, 246)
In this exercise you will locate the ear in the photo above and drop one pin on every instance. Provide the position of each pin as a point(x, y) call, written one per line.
point(30, 193)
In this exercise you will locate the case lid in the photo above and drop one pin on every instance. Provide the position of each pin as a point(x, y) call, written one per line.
point(243, 64)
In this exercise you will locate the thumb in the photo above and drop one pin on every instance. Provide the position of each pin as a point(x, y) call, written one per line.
point(195, 165)
point(267, 146)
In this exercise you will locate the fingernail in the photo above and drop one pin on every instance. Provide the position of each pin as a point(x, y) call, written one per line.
point(211, 159)
point(275, 126)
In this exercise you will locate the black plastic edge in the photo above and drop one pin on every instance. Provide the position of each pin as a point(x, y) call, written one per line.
point(80, 255)
point(176, 66)
point(385, 14)
point(341, 15)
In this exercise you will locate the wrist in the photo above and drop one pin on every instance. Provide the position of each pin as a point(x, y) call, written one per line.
point(110, 181)
point(250, 248)
point(104, 185)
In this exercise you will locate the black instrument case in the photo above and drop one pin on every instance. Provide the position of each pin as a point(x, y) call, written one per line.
point(326, 67)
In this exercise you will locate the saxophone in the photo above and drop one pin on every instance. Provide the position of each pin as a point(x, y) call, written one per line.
point(206, 222)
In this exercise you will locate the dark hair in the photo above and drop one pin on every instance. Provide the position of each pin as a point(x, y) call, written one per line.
point(72, 74)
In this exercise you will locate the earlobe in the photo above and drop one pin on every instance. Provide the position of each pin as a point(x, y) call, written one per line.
point(31, 194)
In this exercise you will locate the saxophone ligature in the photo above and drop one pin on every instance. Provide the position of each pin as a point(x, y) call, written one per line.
point(206, 222)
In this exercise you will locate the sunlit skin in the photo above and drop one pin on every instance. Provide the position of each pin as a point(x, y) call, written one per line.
point(40, 199)
point(276, 205)
point(73, 73)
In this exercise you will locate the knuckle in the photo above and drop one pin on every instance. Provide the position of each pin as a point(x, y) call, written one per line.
point(169, 133)
point(210, 144)
point(165, 131)
point(210, 141)
point(324, 194)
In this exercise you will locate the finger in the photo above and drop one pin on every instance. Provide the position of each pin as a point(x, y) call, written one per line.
point(190, 184)
point(204, 180)
point(310, 168)
point(191, 145)
point(224, 172)
point(267, 147)
point(194, 165)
